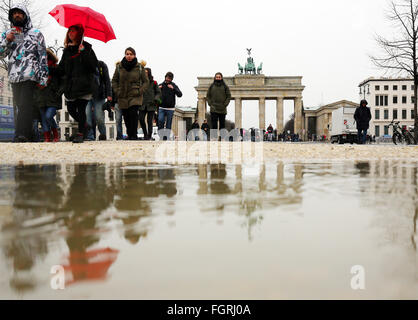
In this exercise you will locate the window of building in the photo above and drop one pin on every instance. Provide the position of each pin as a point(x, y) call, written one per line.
point(377, 131)
point(404, 114)
point(10, 101)
point(386, 88)
point(67, 117)
point(377, 88)
point(412, 87)
point(395, 114)
point(377, 114)
point(386, 130)
point(412, 99)
point(395, 99)
point(376, 101)
point(404, 99)
point(386, 114)
point(382, 101)
point(395, 88)
point(412, 114)
point(404, 87)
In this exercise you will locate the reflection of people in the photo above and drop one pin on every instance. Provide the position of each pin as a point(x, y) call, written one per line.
point(362, 117)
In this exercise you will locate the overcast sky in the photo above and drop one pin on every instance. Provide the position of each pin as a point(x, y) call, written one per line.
point(325, 41)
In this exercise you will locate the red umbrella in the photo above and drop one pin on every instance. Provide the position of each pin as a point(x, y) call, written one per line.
point(95, 24)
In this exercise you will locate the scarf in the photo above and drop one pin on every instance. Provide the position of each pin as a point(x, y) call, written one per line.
point(128, 66)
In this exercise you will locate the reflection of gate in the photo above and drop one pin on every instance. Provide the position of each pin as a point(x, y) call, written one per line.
point(261, 88)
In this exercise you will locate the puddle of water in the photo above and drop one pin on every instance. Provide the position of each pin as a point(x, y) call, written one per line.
point(275, 231)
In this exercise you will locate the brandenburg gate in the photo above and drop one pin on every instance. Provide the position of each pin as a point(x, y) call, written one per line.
point(256, 86)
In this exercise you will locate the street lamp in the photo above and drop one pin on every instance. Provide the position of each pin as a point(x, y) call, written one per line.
point(56, 48)
point(363, 91)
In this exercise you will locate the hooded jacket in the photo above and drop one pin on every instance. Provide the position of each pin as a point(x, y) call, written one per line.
point(362, 116)
point(218, 97)
point(129, 86)
point(26, 54)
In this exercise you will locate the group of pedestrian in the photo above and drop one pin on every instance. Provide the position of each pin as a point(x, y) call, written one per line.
point(39, 81)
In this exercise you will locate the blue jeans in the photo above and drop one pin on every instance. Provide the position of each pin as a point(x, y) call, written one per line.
point(96, 117)
point(47, 117)
point(162, 115)
point(118, 120)
point(361, 136)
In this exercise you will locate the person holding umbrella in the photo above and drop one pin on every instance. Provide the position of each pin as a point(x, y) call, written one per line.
point(78, 66)
point(129, 82)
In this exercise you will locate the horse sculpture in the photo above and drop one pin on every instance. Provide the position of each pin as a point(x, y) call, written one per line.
point(240, 69)
point(250, 66)
point(260, 68)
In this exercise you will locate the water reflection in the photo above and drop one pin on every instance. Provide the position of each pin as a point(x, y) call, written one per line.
point(70, 210)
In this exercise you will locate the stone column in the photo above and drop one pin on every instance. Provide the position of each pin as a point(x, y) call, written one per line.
point(262, 113)
point(238, 113)
point(298, 115)
point(306, 127)
point(201, 105)
point(279, 115)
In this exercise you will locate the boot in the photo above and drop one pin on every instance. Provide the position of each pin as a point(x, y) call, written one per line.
point(56, 135)
point(47, 136)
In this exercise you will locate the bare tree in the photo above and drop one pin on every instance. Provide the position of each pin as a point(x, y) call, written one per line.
point(399, 54)
point(5, 6)
point(290, 124)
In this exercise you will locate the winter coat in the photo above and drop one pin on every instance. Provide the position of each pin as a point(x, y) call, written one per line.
point(103, 85)
point(78, 69)
point(218, 97)
point(169, 95)
point(362, 117)
point(26, 54)
point(50, 96)
point(129, 86)
point(152, 97)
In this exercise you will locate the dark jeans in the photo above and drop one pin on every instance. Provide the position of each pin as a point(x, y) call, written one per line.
point(130, 116)
point(362, 135)
point(47, 116)
point(162, 116)
point(77, 110)
point(214, 117)
point(23, 97)
point(146, 127)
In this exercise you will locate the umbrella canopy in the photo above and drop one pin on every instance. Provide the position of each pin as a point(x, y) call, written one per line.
point(95, 24)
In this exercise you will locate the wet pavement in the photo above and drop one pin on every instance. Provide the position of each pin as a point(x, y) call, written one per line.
point(274, 231)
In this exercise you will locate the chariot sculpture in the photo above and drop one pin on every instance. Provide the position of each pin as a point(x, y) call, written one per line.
point(250, 67)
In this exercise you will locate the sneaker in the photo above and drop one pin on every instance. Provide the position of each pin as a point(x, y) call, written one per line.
point(102, 137)
point(78, 139)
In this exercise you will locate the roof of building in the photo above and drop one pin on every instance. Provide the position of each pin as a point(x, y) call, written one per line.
point(186, 109)
point(384, 79)
point(332, 106)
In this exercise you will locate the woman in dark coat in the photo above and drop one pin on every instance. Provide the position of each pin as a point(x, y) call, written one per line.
point(218, 97)
point(152, 97)
point(78, 66)
point(130, 82)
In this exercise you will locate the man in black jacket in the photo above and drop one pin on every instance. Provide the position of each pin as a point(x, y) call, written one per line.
point(169, 91)
point(362, 117)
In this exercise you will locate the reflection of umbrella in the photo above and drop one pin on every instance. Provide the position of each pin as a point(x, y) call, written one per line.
point(90, 265)
point(95, 24)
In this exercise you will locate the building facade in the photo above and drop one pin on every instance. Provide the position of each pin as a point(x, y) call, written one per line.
point(389, 99)
point(6, 94)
